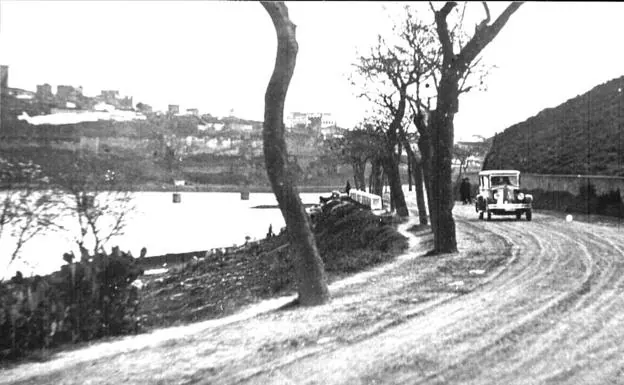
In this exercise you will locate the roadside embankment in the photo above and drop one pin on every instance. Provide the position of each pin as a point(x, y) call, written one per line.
point(350, 238)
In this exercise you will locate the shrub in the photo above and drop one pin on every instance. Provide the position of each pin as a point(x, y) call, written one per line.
point(350, 237)
point(83, 301)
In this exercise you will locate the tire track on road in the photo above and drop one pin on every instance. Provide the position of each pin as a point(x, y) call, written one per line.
point(502, 337)
point(587, 293)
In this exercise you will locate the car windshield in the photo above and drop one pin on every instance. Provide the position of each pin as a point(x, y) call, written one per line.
point(498, 180)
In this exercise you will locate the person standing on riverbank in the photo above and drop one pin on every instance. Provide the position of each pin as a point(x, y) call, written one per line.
point(464, 191)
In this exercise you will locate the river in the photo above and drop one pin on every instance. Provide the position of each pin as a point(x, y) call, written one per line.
point(201, 221)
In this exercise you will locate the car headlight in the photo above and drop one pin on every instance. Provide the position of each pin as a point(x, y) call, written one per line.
point(520, 196)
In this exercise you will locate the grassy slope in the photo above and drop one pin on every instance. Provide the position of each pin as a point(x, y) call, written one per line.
point(581, 136)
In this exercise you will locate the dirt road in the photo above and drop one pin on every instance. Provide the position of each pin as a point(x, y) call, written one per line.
point(538, 302)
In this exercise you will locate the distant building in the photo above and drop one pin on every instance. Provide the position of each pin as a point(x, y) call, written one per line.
point(327, 120)
point(44, 92)
point(192, 111)
point(477, 151)
point(173, 109)
point(4, 77)
point(331, 132)
point(109, 96)
point(296, 118)
point(125, 103)
point(66, 93)
point(112, 98)
point(217, 126)
point(319, 119)
point(233, 123)
point(235, 126)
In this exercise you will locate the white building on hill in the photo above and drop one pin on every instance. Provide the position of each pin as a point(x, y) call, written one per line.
point(305, 118)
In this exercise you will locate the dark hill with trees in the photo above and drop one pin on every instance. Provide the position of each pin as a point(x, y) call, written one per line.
point(584, 135)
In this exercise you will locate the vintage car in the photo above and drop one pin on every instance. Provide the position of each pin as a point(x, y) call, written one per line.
point(500, 194)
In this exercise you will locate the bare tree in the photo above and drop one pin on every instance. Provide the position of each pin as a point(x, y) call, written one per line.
point(421, 40)
point(310, 273)
point(452, 72)
point(99, 206)
point(27, 204)
point(358, 147)
point(390, 69)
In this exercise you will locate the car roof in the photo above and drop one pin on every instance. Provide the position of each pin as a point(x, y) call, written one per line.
point(499, 172)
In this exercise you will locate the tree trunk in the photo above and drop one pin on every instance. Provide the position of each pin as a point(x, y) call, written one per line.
point(416, 172)
point(359, 179)
point(454, 67)
point(420, 199)
point(310, 273)
point(442, 122)
point(409, 173)
point(376, 180)
point(426, 153)
point(391, 163)
point(397, 198)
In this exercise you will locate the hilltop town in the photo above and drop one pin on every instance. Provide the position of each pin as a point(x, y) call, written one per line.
point(153, 148)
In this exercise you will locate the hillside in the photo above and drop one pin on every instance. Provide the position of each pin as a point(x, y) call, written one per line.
point(148, 155)
point(584, 135)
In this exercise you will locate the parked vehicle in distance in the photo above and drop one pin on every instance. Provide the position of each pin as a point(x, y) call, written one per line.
point(500, 194)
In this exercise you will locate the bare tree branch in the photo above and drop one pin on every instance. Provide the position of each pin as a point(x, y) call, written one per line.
point(485, 34)
point(486, 21)
point(443, 32)
point(462, 87)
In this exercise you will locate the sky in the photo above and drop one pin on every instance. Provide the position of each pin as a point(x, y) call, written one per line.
point(218, 56)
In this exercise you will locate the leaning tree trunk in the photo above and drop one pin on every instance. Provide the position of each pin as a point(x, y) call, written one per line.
point(310, 273)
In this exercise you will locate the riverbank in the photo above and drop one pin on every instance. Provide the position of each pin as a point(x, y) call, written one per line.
point(349, 238)
point(216, 284)
point(224, 188)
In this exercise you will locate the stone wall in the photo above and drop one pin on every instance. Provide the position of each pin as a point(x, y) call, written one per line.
point(572, 183)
